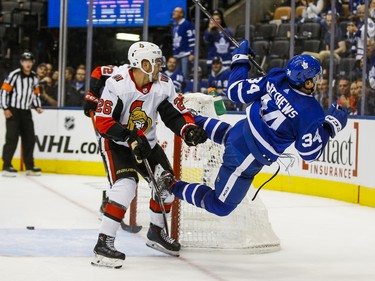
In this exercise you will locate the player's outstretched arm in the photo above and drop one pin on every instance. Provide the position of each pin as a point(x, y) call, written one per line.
point(311, 144)
point(336, 119)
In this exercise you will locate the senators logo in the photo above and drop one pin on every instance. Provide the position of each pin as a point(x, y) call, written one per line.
point(138, 118)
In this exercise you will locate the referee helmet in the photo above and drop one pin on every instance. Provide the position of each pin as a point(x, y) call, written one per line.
point(27, 56)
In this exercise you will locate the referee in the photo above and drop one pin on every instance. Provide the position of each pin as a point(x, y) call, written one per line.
point(19, 93)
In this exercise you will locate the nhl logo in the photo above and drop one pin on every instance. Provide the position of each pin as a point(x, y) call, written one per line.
point(69, 123)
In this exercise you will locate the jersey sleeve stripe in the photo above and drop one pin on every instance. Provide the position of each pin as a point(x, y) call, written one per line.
point(239, 93)
point(231, 89)
point(104, 124)
point(311, 152)
point(6, 87)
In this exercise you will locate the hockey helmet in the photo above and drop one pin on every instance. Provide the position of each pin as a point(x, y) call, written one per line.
point(27, 56)
point(301, 68)
point(143, 50)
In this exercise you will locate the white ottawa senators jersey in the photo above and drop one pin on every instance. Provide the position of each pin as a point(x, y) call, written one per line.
point(135, 108)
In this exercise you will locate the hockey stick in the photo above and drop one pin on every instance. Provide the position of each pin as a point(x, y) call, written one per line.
point(124, 226)
point(155, 186)
point(230, 37)
point(157, 192)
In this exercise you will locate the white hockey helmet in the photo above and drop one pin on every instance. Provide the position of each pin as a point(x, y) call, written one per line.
point(143, 50)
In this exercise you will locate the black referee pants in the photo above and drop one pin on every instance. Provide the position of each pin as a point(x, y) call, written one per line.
point(20, 124)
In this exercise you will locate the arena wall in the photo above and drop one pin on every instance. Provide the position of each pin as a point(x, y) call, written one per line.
point(66, 144)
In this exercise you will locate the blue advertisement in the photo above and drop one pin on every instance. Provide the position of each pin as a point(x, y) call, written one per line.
point(114, 13)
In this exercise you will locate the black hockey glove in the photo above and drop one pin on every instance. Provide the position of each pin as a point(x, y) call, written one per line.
point(139, 144)
point(90, 103)
point(336, 118)
point(194, 135)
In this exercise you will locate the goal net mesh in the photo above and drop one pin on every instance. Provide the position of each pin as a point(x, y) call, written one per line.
point(247, 227)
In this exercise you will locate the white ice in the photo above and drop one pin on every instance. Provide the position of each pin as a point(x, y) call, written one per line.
point(321, 239)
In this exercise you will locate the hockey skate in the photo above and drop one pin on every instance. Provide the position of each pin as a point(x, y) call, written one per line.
point(160, 241)
point(34, 171)
point(9, 172)
point(164, 182)
point(106, 254)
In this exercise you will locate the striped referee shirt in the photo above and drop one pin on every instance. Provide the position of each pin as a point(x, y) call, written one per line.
point(20, 91)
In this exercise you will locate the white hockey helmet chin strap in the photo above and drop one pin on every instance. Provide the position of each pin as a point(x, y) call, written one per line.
point(153, 63)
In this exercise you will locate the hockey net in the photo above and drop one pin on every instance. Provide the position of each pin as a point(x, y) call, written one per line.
point(247, 227)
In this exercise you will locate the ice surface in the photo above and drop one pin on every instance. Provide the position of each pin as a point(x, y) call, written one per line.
point(321, 239)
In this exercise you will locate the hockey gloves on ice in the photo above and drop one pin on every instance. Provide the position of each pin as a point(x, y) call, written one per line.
point(336, 118)
point(194, 135)
point(90, 103)
point(139, 144)
point(241, 54)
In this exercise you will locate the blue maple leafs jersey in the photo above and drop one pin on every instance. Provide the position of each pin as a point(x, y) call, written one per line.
point(279, 115)
point(177, 78)
point(183, 34)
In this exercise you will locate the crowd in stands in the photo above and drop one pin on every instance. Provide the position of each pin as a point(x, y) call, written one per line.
point(74, 85)
point(270, 39)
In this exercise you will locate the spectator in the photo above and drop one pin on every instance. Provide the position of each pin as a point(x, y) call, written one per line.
point(41, 71)
point(358, 67)
point(327, 7)
point(322, 93)
point(344, 92)
point(358, 32)
point(372, 9)
point(183, 36)
point(55, 78)
point(19, 93)
point(202, 83)
point(175, 74)
point(48, 94)
point(339, 42)
point(69, 73)
point(369, 100)
point(218, 43)
point(75, 94)
point(353, 6)
point(355, 95)
point(49, 69)
point(81, 66)
point(219, 76)
point(312, 10)
point(218, 79)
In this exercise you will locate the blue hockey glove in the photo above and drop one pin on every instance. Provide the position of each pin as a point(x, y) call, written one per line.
point(336, 118)
point(194, 135)
point(241, 54)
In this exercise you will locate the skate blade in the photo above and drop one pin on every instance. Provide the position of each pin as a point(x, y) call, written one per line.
point(9, 175)
point(33, 174)
point(156, 246)
point(102, 261)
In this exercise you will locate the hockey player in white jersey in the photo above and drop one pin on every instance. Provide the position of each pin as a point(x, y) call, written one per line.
point(282, 111)
point(127, 113)
point(97, 81)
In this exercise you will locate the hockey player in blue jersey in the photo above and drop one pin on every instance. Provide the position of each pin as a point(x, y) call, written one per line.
point(282, 111)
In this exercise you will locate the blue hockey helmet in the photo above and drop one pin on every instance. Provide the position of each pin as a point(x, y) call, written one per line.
point(301, 68)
